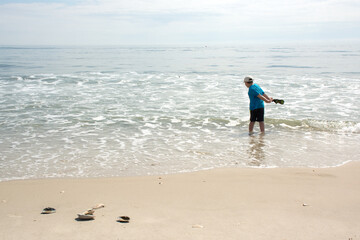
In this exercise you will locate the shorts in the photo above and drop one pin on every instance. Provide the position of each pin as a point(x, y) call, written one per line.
point(257, 115)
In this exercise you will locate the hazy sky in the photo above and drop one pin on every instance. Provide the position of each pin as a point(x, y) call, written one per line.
point(176, 21)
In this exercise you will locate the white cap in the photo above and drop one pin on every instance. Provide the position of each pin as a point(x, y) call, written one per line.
point(248, 79)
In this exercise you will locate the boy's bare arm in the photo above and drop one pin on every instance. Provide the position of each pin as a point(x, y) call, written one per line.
point(265, 98)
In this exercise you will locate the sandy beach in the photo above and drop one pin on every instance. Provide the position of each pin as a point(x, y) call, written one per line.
point(238, 203)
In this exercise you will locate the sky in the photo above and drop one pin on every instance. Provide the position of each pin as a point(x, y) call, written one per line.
point(113, 22)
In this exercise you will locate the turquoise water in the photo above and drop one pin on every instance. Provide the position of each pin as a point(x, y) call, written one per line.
point(137, 110)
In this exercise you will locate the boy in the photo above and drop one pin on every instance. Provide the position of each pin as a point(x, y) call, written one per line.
point(257, 98)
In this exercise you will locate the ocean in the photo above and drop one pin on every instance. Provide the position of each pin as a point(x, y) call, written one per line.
point(104, 111)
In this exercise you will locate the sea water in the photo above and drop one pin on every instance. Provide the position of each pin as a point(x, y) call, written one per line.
point(101, 111)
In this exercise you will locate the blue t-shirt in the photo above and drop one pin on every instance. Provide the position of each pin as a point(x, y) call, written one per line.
point(255, 102)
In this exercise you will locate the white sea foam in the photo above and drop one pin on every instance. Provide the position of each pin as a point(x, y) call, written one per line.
point(99, 118)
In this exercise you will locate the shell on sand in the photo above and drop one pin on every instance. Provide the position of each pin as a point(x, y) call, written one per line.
point(197, 226)
point(86, 216)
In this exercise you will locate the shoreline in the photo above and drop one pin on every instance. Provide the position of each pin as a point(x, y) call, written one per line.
point(185, 172)
point(226, 203)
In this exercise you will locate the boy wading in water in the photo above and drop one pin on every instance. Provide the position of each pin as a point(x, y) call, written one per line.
point(257, 98)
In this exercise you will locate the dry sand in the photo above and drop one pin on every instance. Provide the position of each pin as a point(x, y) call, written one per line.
point(287, 203)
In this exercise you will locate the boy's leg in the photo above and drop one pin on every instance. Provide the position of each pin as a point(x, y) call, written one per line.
point(262, 126)
point(261, 120)
point(251, 127)
point(252, 121)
